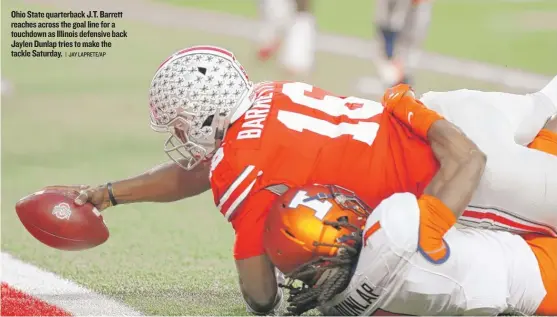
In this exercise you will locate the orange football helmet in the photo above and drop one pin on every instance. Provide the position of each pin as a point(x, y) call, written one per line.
point(304, 224)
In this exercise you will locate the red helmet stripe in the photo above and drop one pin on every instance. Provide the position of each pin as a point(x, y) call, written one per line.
point(202, 48)
point(206, 48)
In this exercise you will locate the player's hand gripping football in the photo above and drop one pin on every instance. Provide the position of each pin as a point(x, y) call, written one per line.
point(401, 101)
point(98, 196)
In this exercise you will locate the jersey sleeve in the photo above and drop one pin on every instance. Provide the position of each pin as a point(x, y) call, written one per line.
point(250, 224)
point(232, 181)
point(411, 225)
point(239, 194)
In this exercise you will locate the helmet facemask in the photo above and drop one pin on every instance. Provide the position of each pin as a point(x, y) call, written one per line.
point(190, 149)
point(317, 271)
point(318, 281)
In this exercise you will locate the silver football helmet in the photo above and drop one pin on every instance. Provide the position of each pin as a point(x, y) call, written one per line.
point(195, 95)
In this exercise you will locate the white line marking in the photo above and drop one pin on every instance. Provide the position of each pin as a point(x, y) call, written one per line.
point(60, 292)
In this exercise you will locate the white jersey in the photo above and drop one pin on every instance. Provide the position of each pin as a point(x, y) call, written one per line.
point(481, 272)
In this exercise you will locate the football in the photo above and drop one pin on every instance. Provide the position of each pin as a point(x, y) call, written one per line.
point(52, 217)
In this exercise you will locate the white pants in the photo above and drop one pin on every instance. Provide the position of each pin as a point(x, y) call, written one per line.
point(518, 191)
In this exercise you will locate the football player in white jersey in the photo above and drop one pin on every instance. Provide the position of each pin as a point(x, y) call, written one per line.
point(407, 257)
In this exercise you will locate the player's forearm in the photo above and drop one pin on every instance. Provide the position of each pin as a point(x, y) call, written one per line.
point(461, 166)
point(164, 183)
point(457, 180)
point(458, 192)
point(448, 142)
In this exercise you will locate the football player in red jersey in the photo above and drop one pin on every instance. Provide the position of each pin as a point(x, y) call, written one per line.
point(255, 141)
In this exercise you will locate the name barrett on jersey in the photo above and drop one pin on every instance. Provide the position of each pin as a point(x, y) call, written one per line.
point(254, 119)
point(237, 165)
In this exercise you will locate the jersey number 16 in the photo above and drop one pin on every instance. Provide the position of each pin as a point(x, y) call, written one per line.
point(359, 112)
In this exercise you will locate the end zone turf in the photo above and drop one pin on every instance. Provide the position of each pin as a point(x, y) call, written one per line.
point(17, 303)
point(30, 291)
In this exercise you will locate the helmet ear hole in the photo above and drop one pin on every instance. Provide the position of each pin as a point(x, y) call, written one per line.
point(289, 233)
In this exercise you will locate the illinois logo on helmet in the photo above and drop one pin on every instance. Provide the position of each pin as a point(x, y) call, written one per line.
point(311, 222)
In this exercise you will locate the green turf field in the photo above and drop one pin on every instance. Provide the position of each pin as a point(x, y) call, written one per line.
point(86, 121)
point(518, 34)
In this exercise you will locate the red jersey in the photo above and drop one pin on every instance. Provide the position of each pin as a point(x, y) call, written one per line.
point(296, 134)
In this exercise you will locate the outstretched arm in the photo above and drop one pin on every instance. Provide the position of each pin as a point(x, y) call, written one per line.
point(163, 183)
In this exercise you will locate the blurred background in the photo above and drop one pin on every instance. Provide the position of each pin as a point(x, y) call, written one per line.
point(69, 121)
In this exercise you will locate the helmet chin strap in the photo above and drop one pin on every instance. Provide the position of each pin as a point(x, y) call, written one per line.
point(220, 129)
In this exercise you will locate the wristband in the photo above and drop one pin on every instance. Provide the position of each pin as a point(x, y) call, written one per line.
point(111, 194)
point(413, 113)
point(416, 116)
